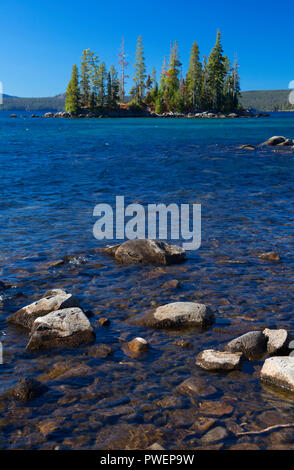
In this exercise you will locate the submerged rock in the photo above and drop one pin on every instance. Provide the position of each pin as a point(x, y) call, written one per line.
point(252, 345)
point(279, 371)
point(68, 327)
point(278, 341)
point(146, 251)
point(271, 256)
point(27, 389)
point(173, 284)
point(55, 300)
point(196, 386)
point(214, 435)
point(246, 147)
point(180, 315)
point(219, 360)
point(155, 446)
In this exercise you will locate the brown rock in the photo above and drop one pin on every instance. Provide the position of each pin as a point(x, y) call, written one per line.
point(212, 408)
point(214, 435)
point(138, 345)
point(252, 345)
point(146, 251)
point(104, 321)
point(271, 256)
point(174, 284)
point(196, 386)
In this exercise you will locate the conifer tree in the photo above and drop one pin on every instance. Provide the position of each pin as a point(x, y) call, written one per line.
point(172, 81)
point(112, 88)
point(194, 78)
point(140, 71)
point(85, 78)
point(216, 74)
point(72, 97)
point(101, 84)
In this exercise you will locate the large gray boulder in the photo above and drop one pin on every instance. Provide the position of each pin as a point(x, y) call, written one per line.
point(219, 360)
point(252, 345)
point(66, 328)
point(180, 315)
point(279, 371)
point(146, 251)
point(55, 300)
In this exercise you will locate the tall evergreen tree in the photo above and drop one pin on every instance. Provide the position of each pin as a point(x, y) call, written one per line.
point(112, 88)
point(85, 78)
point(194, 78)
point(140, 71)
point(172, 82)
point(102, 75)
point(72, 96)
point(216, 74)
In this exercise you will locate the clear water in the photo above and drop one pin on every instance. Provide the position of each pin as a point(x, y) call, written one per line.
point(53, 173)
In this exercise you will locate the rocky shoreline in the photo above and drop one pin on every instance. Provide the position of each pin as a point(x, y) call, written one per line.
point(126, 113)
point(57, 320)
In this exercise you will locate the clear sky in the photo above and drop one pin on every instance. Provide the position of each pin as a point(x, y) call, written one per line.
point(40, 39)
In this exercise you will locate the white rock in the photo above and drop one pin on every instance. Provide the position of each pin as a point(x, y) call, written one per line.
point(279, 371)
point(277, 340)
point(26, 316)
point(183, 314)
point(68, 327)
point(218, 360)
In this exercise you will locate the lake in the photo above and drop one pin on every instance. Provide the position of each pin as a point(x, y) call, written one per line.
point(53, 173)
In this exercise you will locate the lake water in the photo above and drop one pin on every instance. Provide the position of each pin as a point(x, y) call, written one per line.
point(53, 173)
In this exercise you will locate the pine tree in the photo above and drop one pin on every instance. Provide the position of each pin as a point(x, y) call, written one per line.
point(85, 78)
point(102, 74)
point(204, 102)
point(112, 97)
point(93, 73)
point(194, 79)
point(72, 97)
point(236, 83)
point(172, 81)
point(140, 71)
point(216, 74)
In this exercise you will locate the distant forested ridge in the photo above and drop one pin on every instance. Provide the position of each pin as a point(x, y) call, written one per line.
point(14, 103)
point(266, 100)
point(210, 83)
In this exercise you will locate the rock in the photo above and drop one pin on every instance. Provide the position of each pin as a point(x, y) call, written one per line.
point(49, 115)
point(218, 360)
point(246, 147)
point(291, 345)
point(275, 140)
point(181, 315)
point(277, 341)
point(100, 351)
point(27, 389)
point(56, 300)
point(279, 371)
point(271, 256)
point(174, 284)
point(155, 446)
point(286, 143)
point(13, 115)
point(104, 321)
point(195, 386)
point(203, 424)
point(184, 344)
point(138, 345)
point(214, 435)
point(252, 345)
point(146, 251)
point(68, 327)
point(213, 408)
point(49, 426)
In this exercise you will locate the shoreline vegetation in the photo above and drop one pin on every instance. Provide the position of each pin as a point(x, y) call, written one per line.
point(211, 85)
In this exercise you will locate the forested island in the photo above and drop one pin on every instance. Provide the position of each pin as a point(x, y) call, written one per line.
point(210, 84)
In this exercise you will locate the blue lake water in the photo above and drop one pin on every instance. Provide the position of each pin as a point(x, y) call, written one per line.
point(53, 173)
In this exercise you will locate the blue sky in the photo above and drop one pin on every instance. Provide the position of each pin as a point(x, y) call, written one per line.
point(41, 40)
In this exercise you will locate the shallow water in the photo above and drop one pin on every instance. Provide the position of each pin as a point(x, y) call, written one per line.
point(53, 173)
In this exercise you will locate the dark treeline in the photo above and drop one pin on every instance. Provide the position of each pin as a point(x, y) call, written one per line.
point(209, 84)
